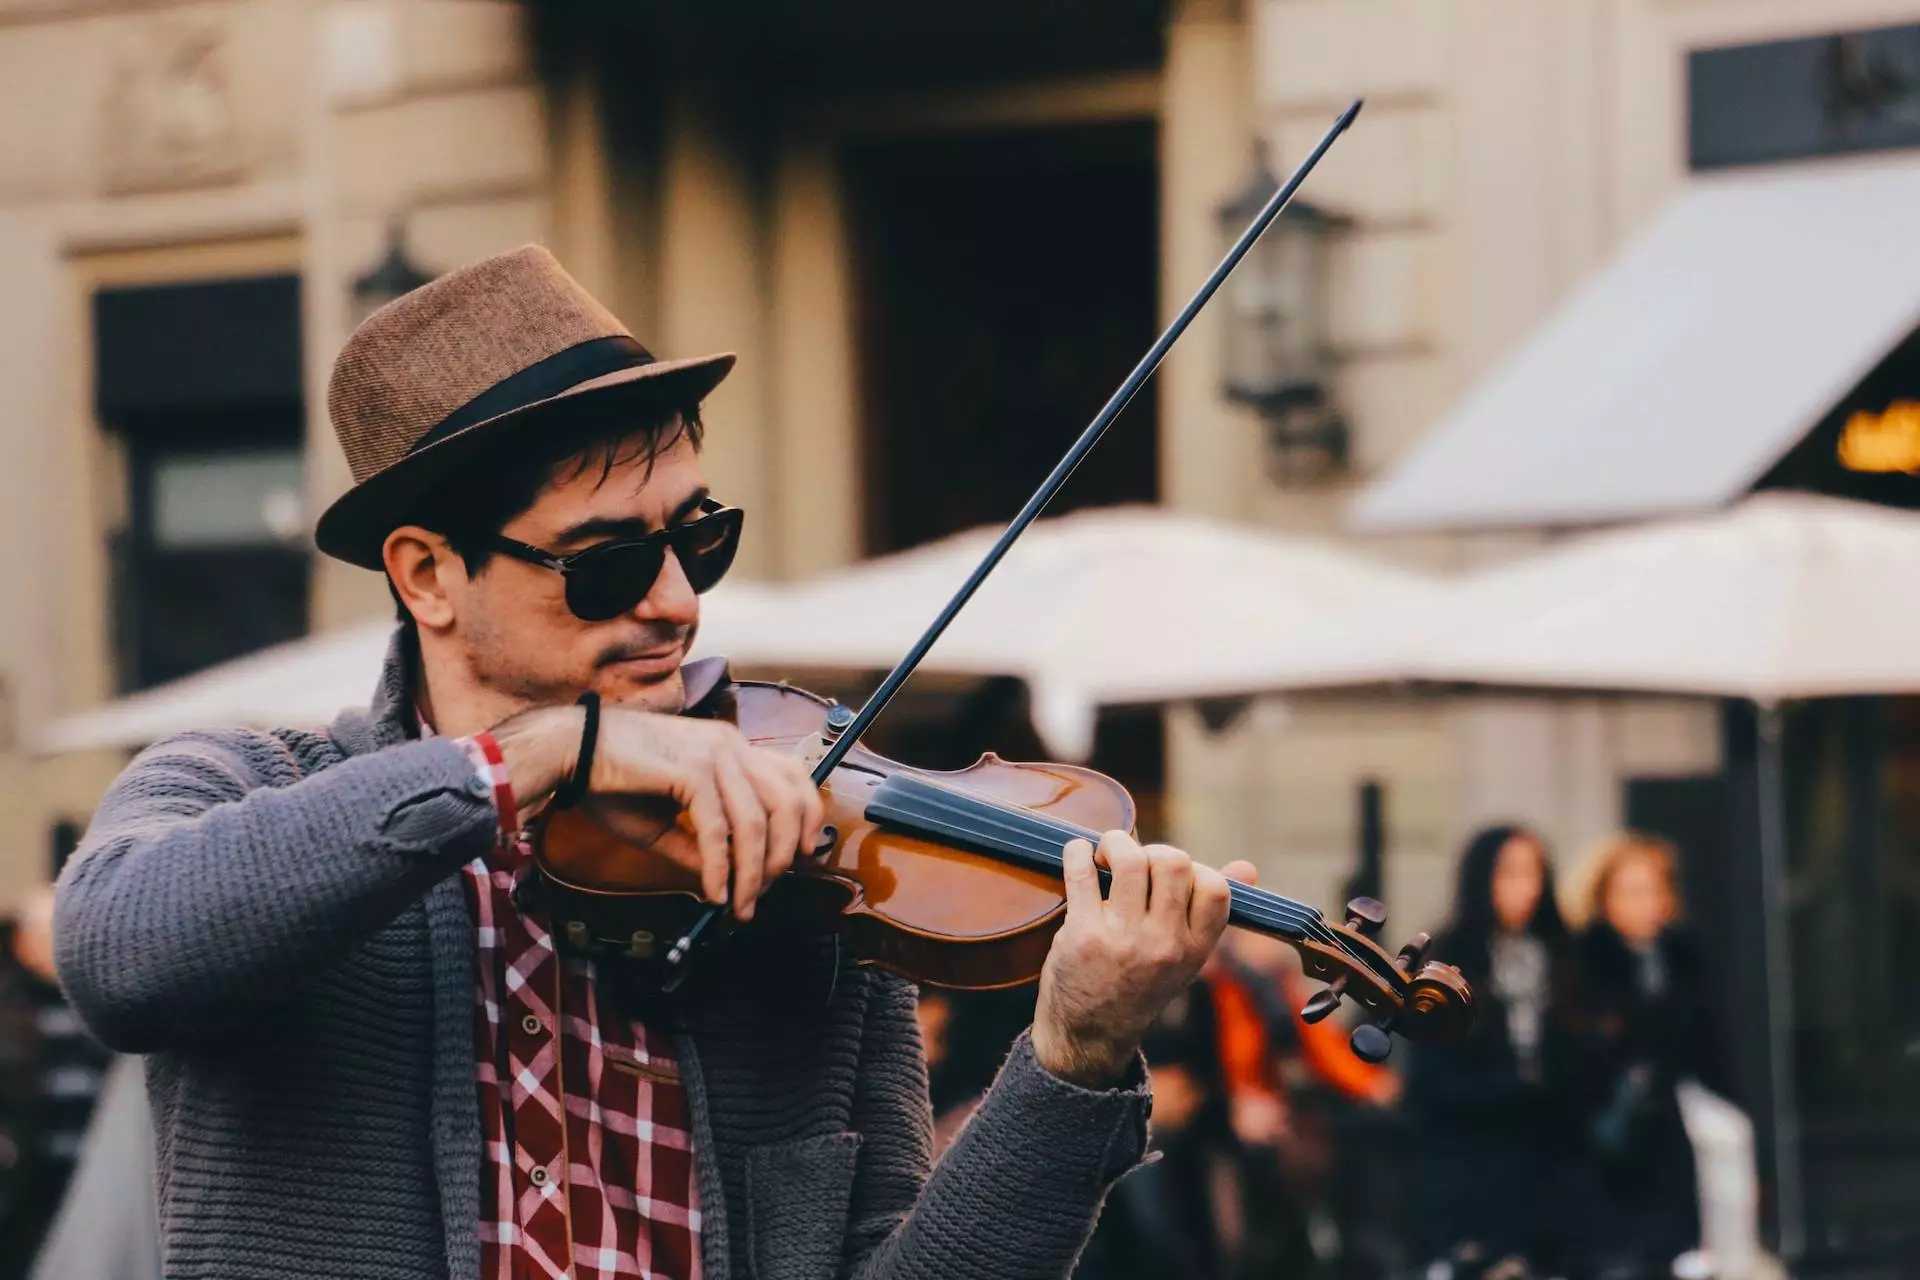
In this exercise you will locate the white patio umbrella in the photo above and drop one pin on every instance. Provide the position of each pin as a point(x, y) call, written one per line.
point(306, 681)
point(1784, 596)
point(1111, 606)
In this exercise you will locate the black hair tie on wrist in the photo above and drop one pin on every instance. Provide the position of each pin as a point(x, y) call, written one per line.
point(574, 789)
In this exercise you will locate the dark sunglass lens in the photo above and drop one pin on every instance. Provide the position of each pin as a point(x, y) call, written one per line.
point(706, 548)
point(608, 584)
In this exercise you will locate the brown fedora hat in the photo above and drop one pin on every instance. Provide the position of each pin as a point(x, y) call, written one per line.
point(453, 366)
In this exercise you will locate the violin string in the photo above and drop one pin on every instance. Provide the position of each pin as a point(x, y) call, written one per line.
point(1042, 839)
point(1253, 903)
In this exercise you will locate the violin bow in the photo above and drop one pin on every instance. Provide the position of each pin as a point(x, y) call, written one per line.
point(844, 731)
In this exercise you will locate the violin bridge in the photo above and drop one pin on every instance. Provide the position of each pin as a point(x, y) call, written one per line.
point(812, 749)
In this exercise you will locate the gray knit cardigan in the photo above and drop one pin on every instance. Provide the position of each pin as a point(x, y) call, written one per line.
point(275, 920)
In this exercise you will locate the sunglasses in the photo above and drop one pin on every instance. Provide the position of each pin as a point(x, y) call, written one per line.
point(609, 578)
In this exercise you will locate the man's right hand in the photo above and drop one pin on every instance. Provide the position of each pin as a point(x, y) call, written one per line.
point(743, 812)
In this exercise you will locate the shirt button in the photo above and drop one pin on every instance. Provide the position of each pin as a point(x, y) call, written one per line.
point(538, 1177)
point(531, 1025)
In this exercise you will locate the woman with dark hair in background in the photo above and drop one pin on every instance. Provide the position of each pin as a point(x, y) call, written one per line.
point(1646, 1024)
point(1496, 1136)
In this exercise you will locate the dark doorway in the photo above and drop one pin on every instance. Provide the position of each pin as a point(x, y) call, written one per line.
point(1007, 284)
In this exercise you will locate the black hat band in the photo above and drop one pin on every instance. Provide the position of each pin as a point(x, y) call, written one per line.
point(542, 380)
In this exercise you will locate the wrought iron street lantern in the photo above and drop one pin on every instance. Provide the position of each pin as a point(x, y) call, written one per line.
point(1278, 352)
point(395, 275)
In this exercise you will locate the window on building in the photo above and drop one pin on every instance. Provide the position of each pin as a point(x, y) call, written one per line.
point(201, 384)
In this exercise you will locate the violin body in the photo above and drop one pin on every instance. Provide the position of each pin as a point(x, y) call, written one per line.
point(920, 907)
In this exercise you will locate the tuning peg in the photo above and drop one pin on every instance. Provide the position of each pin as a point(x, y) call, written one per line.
point(1325, 1001)
point(1370, 1043)
point(1414, 954)
point(1319, 1005)
point(1367, 915)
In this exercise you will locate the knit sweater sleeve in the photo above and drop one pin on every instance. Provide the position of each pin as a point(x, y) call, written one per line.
point(1018, 1192)
point(215, 880)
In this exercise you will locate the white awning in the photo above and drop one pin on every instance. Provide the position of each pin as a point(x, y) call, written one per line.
point(1681, 372)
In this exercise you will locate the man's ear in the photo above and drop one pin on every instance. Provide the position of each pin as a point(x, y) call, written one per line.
point(418, 562)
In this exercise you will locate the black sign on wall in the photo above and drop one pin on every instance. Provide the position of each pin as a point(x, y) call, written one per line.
point(1796, 99)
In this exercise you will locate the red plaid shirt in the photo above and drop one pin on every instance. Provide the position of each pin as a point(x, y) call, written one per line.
point(588, 1169)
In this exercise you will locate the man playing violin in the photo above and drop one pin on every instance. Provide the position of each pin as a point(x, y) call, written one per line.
point(369, 1057)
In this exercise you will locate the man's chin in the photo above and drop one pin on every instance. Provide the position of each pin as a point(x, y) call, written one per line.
point(644, 686)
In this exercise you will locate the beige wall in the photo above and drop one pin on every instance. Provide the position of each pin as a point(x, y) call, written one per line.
point(428, 108)
point(151, 141)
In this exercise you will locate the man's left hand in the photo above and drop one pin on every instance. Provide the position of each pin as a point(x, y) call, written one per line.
point(1118, 960)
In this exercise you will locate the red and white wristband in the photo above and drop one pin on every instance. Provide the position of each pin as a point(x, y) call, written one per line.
point(491, 767)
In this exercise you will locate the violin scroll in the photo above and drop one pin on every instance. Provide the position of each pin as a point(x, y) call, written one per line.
point(1423, 1000)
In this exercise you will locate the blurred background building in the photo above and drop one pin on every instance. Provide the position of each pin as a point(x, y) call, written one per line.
point(938, 237)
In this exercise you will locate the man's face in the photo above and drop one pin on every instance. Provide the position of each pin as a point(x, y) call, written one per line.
point(511, 617)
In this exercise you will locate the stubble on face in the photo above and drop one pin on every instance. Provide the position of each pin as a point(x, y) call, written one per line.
point(498, 663)
point(666, 695)
point(502, 662)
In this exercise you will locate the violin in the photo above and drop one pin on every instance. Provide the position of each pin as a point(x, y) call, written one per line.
point(955, 878)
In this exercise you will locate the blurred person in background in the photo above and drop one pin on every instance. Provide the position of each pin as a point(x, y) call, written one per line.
point(935, 1014)
point(1496, 1131)
point(1297, 1094)
point(1266, 981)
point(50, 1076)
point(1174, 1218)
point(967, 1034)
point(1264, 1213)
point(1646, 1024)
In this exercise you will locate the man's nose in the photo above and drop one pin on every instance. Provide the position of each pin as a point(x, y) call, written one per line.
point(672, 598)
